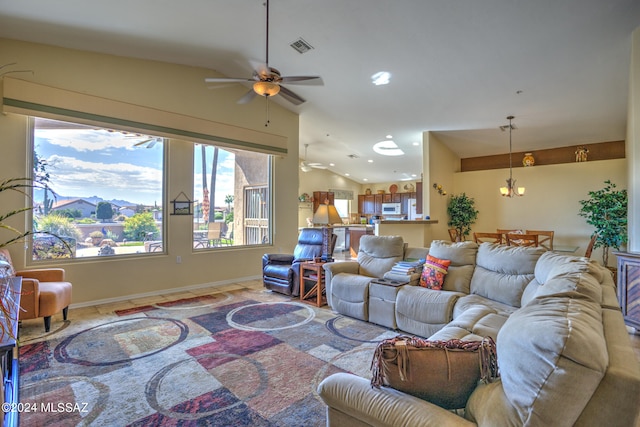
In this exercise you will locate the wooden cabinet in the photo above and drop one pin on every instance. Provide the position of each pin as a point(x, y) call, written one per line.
point(629, 287)
point(354, 239)
point(320, 197)
point(371, 204)
point(366, 204)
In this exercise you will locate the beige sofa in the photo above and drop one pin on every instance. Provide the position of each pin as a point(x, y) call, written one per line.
point(563, 350)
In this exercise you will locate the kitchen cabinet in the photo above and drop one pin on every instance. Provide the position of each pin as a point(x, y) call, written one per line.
point(321, 197)
point(366, 204)
point(371, 204)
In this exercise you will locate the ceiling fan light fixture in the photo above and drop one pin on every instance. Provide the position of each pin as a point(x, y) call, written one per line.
point(263, 88)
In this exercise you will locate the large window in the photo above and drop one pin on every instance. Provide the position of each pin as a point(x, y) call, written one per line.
point(107, 191)
point(232, 192)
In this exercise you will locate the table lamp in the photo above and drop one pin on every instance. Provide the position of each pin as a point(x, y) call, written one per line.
point(326, 215)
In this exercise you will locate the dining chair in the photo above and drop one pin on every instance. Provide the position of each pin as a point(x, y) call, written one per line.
point(487, 237)
point(545, 238)
point(517, 239)
point(453, 234)
point(592, 242)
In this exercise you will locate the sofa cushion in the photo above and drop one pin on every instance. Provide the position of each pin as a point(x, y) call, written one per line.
point(433, 272)
point(567, 282)
point(551, 345)
point(502, 272)
point(423, 311)
point(378, 254)
point(463, 261)
point(350, 295)
point(551, 264)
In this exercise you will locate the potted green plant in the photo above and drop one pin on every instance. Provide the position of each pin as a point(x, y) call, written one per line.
point(606, 210)
point(462, 213)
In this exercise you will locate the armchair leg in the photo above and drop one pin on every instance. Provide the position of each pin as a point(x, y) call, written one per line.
point(47, 323)
point(64, 312)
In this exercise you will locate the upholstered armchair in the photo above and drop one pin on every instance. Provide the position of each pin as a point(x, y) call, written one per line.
point(347, 283)
point(281, 272)
point(45, 292)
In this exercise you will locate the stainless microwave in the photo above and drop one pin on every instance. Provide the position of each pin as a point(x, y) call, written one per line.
point(391, 208)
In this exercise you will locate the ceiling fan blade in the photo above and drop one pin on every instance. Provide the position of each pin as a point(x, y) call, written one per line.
point(261, 68)
point(291, 96)
point(247, 97)
point(137, 144)
point(303, 80)
point(228, 79)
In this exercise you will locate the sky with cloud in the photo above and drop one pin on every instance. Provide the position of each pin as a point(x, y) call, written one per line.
point(86, 162)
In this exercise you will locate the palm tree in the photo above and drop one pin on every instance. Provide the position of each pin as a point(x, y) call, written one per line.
point(228, 199)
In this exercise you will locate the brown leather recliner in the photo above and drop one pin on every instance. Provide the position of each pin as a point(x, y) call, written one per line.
point(281, 272)
point(44, 293)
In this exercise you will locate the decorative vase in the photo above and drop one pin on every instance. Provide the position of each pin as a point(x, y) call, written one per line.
point(528, 160)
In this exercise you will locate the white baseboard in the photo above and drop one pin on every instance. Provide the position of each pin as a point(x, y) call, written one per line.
point(163, 292)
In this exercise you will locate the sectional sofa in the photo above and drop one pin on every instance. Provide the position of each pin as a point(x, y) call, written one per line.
point(563, 351)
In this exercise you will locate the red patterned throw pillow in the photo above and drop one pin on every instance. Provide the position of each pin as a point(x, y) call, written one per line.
point(433, 272)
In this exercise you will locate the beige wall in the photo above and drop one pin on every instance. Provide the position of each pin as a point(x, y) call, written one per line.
point(166, 87)
point(551, 201)
point(322, 180)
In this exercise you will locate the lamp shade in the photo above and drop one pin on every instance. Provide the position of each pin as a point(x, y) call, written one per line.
point(326, 214)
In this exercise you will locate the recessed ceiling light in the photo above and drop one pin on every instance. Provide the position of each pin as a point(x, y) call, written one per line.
point(347, 174)
point(370, 161)
point(416, 143)
point(389, 137)
point(387, 148)
point(365, 179)
point(413, 175)
point(332, 164)
point(381, 78)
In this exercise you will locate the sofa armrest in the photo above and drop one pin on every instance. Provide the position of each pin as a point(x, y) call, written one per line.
point(43, 274)
point(353, 397)
point(333, 268)
point(29, 299)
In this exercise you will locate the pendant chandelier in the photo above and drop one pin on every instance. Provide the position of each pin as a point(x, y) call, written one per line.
point(510, 190)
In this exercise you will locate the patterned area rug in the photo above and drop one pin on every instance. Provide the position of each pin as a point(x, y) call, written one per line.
point(243, 358)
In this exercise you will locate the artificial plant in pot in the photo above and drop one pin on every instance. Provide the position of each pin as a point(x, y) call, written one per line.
point(606, 210)
point(462, 213)
point(15, 235)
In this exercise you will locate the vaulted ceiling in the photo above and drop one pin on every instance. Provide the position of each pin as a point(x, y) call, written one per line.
point(458, 68)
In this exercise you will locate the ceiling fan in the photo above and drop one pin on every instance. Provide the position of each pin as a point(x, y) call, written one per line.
point(308, 167)
point(267, 81)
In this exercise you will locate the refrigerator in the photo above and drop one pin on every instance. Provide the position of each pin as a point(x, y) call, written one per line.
point(411, 211)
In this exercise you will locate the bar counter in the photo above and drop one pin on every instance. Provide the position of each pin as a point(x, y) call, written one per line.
point(416, 233)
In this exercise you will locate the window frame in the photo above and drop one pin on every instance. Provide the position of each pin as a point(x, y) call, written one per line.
point(29, 198)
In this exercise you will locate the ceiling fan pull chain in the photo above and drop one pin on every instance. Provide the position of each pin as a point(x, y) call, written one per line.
point(267, 108)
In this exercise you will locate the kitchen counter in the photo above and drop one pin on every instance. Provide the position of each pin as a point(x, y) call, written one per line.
point(416, 233)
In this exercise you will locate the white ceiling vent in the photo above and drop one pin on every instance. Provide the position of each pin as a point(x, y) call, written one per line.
point(301, 45)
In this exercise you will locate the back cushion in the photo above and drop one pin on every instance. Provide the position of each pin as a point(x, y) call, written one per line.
point(551, 264)
point(502, 272)
point(378, 254)
point(549, 350)
point(565, 279)
point(463, 261)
